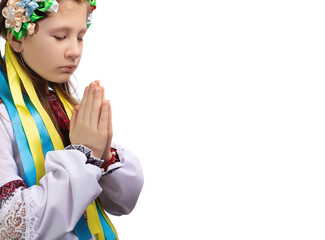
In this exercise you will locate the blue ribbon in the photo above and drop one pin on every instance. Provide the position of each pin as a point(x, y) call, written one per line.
point(28, 165)
point(81, 229)
point(108, 232)
point(25, 154)
point(44, 135)
point(30, 6)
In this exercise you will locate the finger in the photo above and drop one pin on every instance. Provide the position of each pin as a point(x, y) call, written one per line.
point(96, 108)
point(77, 107)
point(103, 93)
point(82, 106)
point(94, 83)
point(109, 126)
point(73, 119)
point(109, 109)
point(104, 115)
point(89, 104)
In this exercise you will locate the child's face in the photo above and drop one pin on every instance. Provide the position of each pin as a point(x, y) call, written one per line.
point(54, 51)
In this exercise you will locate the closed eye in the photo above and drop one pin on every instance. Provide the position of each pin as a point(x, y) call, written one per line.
point(59, 38)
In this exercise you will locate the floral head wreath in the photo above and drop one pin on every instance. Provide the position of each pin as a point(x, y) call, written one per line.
point(21, 14)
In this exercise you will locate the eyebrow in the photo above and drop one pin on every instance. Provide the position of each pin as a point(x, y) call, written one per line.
point(66, 29)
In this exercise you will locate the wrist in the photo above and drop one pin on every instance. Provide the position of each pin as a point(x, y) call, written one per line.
point(91, 157)
point(107, 156)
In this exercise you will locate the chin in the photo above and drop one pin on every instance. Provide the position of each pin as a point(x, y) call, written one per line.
point(61, 79)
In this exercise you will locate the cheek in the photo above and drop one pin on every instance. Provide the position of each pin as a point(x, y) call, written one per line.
point(48, 49)
point(43, 54)
point(50, 54)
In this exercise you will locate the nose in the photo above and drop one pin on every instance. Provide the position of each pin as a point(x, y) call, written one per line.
point(74, 49)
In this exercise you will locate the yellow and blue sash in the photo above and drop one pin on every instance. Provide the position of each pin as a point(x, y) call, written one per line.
point(36, 135)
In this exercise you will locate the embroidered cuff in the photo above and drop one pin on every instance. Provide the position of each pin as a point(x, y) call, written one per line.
point(113, 159)
point(88, 153)
point(8, 189)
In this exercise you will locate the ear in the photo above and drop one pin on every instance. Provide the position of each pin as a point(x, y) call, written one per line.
point(17, 46)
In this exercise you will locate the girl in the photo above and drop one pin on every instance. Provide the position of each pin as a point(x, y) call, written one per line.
point(56, 176)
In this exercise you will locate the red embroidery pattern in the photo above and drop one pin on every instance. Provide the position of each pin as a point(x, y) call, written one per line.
point(61, 116)
point(113, 159)
point(8, 189)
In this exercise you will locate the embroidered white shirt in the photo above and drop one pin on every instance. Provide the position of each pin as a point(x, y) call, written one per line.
point(52, 209)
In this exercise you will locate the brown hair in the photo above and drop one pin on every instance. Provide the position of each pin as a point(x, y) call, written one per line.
point(39, 83)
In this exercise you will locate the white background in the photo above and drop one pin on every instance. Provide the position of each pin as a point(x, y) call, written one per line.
point(223, 102)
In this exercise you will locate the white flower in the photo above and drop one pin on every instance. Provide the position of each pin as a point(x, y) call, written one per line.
point(15, 16)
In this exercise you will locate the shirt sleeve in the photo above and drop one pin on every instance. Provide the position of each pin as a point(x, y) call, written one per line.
point(122, 183)
point(52, 209)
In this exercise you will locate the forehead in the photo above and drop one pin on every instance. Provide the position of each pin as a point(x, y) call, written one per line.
point(71, 14)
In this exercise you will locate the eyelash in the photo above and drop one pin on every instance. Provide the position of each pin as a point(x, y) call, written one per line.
point(62, 38)
point(59, 38)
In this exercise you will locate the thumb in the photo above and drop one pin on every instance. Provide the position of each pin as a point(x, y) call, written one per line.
point(73, 119)
point(77, 107)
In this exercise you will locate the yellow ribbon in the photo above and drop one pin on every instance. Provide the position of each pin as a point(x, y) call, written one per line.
point(15, 74)
point(107, 219)
point(28, 123)
point(67, 106)
point(93, 221)
point(54, 135)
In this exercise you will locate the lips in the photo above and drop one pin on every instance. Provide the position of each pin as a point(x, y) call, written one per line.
point(69, 68)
